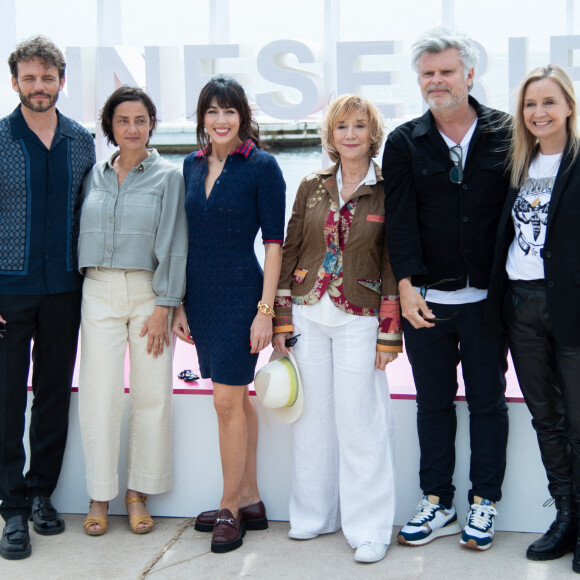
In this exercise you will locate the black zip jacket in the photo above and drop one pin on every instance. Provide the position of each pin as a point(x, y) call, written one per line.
point(436, 229)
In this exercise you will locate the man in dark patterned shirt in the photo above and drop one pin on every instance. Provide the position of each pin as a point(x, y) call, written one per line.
point(44, 157)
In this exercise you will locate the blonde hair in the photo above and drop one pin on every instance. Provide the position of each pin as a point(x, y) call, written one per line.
point(340, 109)
point(524, 146)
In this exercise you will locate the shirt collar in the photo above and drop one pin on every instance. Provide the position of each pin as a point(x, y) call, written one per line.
point(369, 179)
point(244, 149)
point(19, 128)
point(426, 122)
point(144, 165)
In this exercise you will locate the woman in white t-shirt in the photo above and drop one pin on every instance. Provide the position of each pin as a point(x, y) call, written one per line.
point(535, 288)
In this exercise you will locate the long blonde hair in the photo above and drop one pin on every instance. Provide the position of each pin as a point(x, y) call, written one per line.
point(524, 146)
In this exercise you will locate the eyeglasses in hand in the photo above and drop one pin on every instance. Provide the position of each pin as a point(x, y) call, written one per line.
point(423, 292)
point(290, 342)
point(456, 155)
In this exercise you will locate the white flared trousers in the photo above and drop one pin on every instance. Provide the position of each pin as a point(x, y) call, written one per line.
point(115, 306)
point(343, 472)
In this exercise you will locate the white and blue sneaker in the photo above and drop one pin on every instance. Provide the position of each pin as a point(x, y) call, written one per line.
point(431, 521)
point(478, 533)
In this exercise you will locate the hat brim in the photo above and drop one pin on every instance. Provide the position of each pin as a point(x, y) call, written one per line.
point(289, 414)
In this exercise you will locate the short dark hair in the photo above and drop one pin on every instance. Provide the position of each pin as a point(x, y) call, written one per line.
point(229, 94)
point(122, 95)
point(37, 47)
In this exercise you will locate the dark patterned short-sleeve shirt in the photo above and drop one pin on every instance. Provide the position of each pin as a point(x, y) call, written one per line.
point(39, 204)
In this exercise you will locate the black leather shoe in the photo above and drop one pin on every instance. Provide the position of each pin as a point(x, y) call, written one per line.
point(576, 560)
point(562, 535)
point(15, 543)
point(47, 521)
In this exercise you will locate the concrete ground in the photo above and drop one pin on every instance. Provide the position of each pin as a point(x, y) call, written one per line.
point(174, 550)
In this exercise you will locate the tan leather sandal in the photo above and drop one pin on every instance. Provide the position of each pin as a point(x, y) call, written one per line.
point(95, 520)
point(135, 520)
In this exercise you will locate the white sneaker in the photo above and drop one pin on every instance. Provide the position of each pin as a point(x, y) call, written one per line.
point(369, 552)
point(298, 534)
point(431, 521)
point(479, 531)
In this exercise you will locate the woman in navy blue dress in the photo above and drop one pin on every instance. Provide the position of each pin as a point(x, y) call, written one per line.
point(233, 189)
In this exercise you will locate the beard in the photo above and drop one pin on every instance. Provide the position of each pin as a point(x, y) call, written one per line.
point(450, 101)
point(27, 101)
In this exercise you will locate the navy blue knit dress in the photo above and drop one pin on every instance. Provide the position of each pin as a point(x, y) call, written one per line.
point(224, 277)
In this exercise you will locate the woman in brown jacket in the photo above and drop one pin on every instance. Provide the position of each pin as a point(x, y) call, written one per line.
point(338, 292)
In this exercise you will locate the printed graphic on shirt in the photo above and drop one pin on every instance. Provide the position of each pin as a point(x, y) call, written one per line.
point(530, 214)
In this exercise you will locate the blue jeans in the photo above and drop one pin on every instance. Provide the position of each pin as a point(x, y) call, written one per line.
point(434, 354)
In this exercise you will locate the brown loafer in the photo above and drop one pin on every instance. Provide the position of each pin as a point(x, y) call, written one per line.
point(254, 518)
point(227, 532)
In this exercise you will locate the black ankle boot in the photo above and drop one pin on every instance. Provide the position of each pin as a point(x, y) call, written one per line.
point(576, 560)
point(562, 535)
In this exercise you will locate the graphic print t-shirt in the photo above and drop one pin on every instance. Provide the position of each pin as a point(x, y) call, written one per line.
point(530, 217)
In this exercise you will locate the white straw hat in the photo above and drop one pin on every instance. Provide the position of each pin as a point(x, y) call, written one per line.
point(279, 388)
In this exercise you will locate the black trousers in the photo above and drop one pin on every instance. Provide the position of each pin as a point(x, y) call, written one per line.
point(52, 321)
point(434, 354)
point(549, 377)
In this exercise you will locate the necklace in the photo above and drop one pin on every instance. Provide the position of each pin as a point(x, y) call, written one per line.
point(546, 172)
point(356, 181)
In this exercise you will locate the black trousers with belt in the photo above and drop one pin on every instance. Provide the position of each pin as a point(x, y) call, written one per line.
point(52, 321)
point(549, 377)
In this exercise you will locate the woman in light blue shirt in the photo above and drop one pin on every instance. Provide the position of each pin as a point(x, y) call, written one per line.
point(132, 250)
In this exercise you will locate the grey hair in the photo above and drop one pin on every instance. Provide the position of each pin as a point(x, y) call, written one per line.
point(439, 39)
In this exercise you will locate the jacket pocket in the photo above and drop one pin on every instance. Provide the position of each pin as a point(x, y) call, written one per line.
point(299, 275)
point(374, 285)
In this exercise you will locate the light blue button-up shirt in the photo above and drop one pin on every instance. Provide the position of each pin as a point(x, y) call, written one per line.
point(138, 226)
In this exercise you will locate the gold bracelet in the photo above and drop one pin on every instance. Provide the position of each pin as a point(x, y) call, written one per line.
point(265, 309)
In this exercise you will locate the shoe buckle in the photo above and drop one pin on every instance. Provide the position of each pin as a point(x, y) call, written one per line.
point(228, 521)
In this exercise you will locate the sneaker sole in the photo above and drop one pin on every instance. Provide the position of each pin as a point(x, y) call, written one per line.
point(369, 560)
point(471, 543)
point(451, 530)
point(303, 538)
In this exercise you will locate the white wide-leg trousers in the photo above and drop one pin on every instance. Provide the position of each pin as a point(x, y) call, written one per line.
point(343, 472)
point(115, 306)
